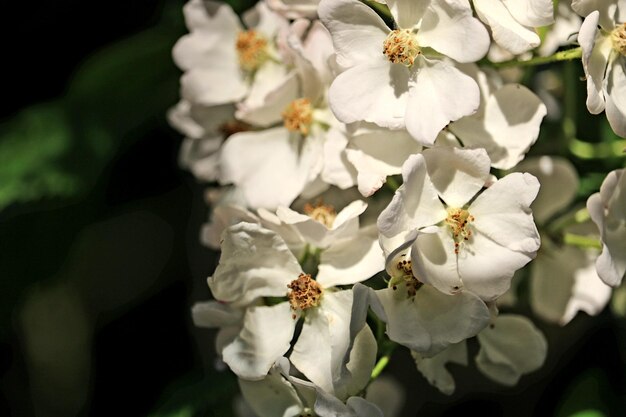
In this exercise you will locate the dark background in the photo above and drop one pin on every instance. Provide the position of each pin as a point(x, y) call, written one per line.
point(97, 278)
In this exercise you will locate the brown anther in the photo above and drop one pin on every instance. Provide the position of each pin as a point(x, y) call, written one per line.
point(298, 116)
point(401, 47)
point(233, 126)
point(323, 213)
point(251, 50)
point(305, 293)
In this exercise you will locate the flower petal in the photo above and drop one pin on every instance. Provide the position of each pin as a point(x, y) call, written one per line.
point(375, 91)
point(449, 27)
point(358, 32)
point(264, 338)
point(509, 348)
point(255, 262)
point(407, 13)
point(272, 396)
point(431, 321)
point(457, 174)
point(616, 96)
point(596, 50)
point(434, 368)
point(439, 95)
point(415, 204)
point(324, 340)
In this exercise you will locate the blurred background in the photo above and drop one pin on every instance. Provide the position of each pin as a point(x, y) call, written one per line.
point(100, 260)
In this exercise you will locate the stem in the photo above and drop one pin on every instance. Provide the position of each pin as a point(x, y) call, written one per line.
point(566, 55)
point(581, 241)
point(392, 183)
point(383, 361)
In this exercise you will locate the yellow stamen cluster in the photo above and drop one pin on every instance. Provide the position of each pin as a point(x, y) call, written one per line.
point(411, 283)
point(305, 293)
point(251, 49)
point(298, 116)
point(459, 222)
point(618, 38)
point(401, 47)
point(323, 213)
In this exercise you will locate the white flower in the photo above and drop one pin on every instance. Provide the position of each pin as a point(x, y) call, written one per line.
point(509, 348)
point(604, 62)
point(221, 59)
point(608, 211)
point(506, 123)
point(256, 263)
point(562, 278)
point(512, 22)
point(273, 167)
point(481, 238)
point(392, 78)
point(418, 315)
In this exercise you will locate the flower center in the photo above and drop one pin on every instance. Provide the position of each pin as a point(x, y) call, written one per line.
point(305, 293)
point(251, 49)
point(459, 222)
point(323, 213)
point(401, 47)
point(618, 37)
point(411, 283)
point(298, 116)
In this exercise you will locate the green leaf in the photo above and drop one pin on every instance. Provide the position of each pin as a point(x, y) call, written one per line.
point(32, 150)
point(211, 396)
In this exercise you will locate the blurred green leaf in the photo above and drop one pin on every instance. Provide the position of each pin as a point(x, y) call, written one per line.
point(32, 147)
point(589, 393)
point(588, 413)
point(211, 396)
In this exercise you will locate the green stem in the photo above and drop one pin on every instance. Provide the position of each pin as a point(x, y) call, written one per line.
point(581, 241)
point(566, 55)
point(392, 183)
point(383, 361)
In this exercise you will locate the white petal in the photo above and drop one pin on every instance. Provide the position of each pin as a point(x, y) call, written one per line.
point(440, 94)
point(606, 10)
point(431, 321)
point(388, 395)
point(358, 32)
point(272, 396)
point(415, 204)
point(616, 96)
point(507, 32)
point(533, 13)
point(360, 362)
point(375, 91)
point(264, 338)
point(449, 27)
point(324, 340)
point(264, 20)
point(457, 174)
point(207, 14)
point(434, 368)
point(214, 85)
point(272, 91)
point(559, 184)
point(351, 260)
point(271, 166)
point(502, 213)
point(508, 128)
point(434, 261)
point(378, 154)
point(363, 408)
point(215, 314)
point(510, 348)
point(407, 13)
point(337, 169)
point(595, 57)
point(255, 262)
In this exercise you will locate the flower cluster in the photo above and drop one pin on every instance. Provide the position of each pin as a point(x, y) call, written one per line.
point(305, 116)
